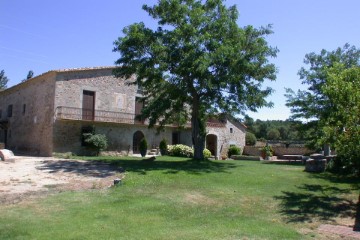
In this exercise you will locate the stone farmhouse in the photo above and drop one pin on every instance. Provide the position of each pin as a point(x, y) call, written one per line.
point(49, 113)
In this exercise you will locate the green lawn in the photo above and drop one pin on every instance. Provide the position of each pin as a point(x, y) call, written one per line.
point(177, 198)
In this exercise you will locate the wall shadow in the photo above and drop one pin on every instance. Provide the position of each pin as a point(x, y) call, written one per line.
point(312, 201)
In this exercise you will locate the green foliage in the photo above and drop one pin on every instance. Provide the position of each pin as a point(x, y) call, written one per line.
point(196, 54)
point(342, 127)
point(273, 134)
point(289, 130)
point(163, 147)
point(313, 104)
point(97, 142)
point(207, 153)
point(268, 150)
point(180, 150)
point(143, 147)
point(3, 80)
point(250, 139)
point(234, 150)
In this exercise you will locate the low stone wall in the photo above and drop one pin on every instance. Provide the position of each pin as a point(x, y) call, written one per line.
point(278, 151)
point(252, 151)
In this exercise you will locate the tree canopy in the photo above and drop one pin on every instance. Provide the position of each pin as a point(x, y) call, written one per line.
point(342, 127)
point(312, 104)
point(197, 62)
point(3, 80)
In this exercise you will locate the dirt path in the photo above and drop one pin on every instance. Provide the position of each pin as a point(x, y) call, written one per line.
point(31, 175)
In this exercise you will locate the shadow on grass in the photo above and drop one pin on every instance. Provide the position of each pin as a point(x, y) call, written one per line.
point(320, 202)
point(92, 169)
point(173, 167)
point(107, 167)
point(285, 162)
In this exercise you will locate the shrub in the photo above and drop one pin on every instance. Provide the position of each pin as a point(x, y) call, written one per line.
point(143, 147)
point(163, 147)
point(268, 151)
point(97, 142)
point(234, 150)
point(207, 153)
point(180, 150)
point(250, 139)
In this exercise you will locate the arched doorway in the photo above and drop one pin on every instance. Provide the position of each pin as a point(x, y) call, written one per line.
point(211, 144)
point(138, 136)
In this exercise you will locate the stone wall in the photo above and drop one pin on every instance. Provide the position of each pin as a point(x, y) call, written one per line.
point(30, 126)
point(231, 134)
point(111, 94)
point(278, 151)
point(33, 127)
point(120, 136)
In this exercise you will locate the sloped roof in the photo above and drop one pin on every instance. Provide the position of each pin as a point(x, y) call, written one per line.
point(54, 72)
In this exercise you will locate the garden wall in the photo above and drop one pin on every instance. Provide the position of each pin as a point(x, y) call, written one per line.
point(278, 151)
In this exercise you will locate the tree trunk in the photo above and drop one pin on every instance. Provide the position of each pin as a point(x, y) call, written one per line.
point(198, 130)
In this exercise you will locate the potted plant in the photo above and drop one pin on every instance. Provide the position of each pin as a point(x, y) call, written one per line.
point(163, 147)
point(267, 152)
point(143, 147)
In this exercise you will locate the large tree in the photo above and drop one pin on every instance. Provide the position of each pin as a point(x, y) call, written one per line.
point(3, 80)
point(342, 127)
point(197, 62)
point(312, 104)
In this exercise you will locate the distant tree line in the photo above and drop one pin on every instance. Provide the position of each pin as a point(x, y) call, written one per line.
point(274, 130)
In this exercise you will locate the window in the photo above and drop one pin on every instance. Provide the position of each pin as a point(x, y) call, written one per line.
point(24, 109)
point(10, 110)
point(231, 130)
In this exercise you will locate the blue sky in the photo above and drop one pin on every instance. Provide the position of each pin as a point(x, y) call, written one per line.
point(43, 35)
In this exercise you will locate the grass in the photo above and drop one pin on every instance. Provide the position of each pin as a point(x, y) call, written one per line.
point(177, 198)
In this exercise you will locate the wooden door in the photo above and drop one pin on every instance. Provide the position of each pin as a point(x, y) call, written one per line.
point(88, 108)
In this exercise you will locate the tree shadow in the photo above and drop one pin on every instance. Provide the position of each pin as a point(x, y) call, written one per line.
point(91, 169)
point(322, 202)
point(107, 167)
point(338, 178)
point(173, 167)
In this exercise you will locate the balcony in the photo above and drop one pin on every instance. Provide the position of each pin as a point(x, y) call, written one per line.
point(80, 114)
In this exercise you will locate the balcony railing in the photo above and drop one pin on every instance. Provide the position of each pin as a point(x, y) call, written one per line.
point(70, 113)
